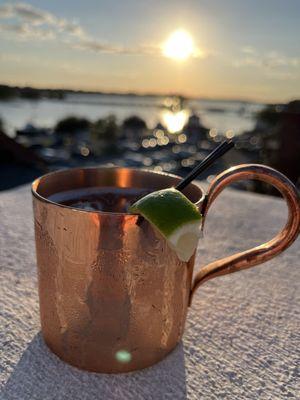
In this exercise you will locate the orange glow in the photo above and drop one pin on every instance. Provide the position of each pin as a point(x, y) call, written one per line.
point(123, 178)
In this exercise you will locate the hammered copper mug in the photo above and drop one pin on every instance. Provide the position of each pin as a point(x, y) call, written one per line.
point(113, 295)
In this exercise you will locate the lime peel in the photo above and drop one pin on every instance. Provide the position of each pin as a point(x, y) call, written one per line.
point(175, 217)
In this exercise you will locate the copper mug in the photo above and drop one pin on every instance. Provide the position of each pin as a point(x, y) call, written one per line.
point(113, 295)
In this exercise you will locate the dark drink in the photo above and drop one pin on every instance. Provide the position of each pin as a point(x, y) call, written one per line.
point(105, 199)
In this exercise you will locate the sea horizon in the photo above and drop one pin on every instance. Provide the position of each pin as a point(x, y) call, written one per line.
point(218, 98)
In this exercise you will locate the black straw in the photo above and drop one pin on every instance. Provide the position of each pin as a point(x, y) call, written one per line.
point(207, 162)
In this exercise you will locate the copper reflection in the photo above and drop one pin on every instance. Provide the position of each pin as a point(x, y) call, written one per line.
point(124, 178)
point(113, 295)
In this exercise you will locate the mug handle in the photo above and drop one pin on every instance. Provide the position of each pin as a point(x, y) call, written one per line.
point(265, 251)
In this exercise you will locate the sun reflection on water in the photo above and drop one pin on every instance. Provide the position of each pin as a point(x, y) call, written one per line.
point(175, 121)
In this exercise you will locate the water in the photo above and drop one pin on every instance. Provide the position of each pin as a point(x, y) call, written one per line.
point(107, 199)
point(221, 115)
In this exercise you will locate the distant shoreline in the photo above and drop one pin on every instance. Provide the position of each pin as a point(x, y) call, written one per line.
point(10, 92)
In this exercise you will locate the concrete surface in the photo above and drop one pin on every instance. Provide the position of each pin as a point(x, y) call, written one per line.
point(242, 336)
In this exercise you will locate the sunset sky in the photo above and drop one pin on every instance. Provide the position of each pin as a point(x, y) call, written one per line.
point(245, 49)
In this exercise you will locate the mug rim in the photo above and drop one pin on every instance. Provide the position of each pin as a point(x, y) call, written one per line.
point(43, 199)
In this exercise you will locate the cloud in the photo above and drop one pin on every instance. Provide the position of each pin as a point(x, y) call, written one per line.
point(274, 59)
point(25, 22)
point(246, 61)
point(98, 46)
point(282, 75)
point(28, 22)
point(25, 31)
point(271, 60)
point(248, 50)
point(31, 14)
point(6, 11)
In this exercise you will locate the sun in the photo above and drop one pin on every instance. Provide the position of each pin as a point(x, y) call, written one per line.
point(179, 45)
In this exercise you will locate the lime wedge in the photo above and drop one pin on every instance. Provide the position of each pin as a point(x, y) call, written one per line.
point(175, 217)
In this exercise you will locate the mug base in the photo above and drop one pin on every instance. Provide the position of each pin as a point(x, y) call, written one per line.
point(122, 363)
